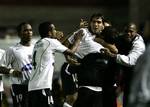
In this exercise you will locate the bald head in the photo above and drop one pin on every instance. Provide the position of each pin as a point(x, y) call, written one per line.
point(131, 27)
point(130, 31)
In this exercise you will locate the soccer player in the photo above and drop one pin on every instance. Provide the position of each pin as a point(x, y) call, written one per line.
point(40, 84)
point(18, 58)
point(87, 45)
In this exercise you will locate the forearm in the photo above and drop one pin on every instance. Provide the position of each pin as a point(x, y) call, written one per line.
point(75, 46)
point(4, 70)
point(126, 60)
point(101, 41)
point(131, 58)
point(111, 47)
point(10, 71)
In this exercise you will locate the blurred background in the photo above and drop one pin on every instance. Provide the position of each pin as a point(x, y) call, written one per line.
point(66, 15)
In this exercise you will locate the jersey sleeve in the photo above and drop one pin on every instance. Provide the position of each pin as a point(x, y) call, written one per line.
point(71, 38)
point(7, 58)
point(59, 47)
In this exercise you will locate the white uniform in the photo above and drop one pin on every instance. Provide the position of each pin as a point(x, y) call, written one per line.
point(136, 51)
point(87, 44)
point(43, 63)
point(1, 82)
point(19, 58)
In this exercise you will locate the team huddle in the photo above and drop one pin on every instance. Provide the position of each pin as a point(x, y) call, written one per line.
point(99, 64)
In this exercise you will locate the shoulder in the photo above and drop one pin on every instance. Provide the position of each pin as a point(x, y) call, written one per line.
point(13, 47)
point(139, 41)
point(51, 41)
point(139, 38)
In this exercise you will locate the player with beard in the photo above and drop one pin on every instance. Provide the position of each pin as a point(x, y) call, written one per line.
point(86, 36)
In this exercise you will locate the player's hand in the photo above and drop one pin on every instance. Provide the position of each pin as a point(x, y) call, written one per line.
point(79, 35)
point(107, 52)
point(83, 23)
point(112, 48)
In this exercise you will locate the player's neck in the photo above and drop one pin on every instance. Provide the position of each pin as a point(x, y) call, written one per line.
point(25, 43)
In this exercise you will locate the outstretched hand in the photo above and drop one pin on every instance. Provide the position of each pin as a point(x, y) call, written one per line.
point(83, 23)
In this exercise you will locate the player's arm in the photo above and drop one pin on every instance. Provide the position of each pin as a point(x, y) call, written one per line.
point(77, 39)
point(83, 23)
point(10, 71)
point(111, 47)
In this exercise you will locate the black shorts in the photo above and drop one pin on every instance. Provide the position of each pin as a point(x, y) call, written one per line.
point(19, 94)
point(40, 98)
point(69, 79)
point(88, 98)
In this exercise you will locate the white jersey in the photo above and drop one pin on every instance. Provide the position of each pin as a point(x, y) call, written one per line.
point(19, 57)
point(1, 81)
point(43, 63)
point(87, 44)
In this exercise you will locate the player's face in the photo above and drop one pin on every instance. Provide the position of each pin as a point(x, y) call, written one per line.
point(26, 32)
point(97, 25)
point(130, 34)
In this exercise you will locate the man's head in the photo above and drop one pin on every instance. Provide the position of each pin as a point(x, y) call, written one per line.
point(96, 23)
point(110, 34)
point(130, 31)
point(25, 32)
point(47, 29)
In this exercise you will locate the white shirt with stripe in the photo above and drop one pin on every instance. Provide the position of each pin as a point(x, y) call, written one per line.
point(43, 63)
point(19, 57)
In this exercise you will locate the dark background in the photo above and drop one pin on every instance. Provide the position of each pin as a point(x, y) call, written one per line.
point(66, 14)
point(66, 2)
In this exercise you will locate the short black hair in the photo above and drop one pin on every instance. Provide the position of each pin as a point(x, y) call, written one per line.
point(97, 15)
point(19, 27)
point(44, 28)
point(110, 34)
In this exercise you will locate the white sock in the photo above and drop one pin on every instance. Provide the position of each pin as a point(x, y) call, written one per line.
point(66, 105)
